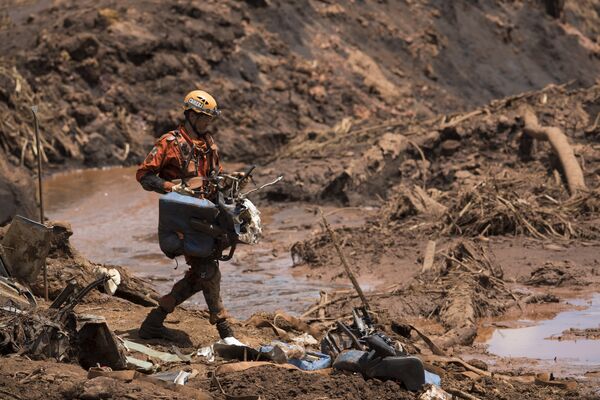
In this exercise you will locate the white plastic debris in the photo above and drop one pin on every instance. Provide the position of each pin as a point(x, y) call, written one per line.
point(161, 355)
point(249, 219)
point(110, 286)
point(140, 365)
point(305, 340)
point(209, 353)
point(178, 377)
point(435, 393)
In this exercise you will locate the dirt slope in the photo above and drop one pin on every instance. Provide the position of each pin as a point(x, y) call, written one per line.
point(108, 76)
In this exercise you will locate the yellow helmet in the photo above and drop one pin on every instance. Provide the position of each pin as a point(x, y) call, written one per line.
point(201, 102)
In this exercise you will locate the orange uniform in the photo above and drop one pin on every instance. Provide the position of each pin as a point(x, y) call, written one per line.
point(177, 156)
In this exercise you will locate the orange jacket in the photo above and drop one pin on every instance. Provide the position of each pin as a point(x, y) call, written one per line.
point(177, 156)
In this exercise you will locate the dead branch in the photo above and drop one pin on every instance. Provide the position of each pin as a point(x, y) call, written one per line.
point(344, 262)
point(461, 394)
point(560, 145)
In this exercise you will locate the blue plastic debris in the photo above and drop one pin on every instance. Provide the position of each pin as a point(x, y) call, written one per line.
point(433, 379)
point(311, 361)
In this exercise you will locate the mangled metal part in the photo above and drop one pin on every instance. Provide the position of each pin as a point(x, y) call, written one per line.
point(96, 344)
point(70, 297)
point(52, 341)
point(57, 333)
point(26, 246)
point(15, 294)
point(3, 270)
point(360, 347)
point(31, 333)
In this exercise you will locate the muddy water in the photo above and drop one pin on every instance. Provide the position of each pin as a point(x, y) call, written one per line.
point(115, 222)
point(535, 340)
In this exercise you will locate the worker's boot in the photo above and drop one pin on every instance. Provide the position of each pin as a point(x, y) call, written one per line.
point(224, 329)
point(153, 328)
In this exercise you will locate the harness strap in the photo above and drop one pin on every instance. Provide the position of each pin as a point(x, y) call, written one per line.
point(208, 153)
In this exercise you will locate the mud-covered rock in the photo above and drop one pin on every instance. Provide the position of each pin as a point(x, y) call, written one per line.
point(17, 195)
point(81, 46)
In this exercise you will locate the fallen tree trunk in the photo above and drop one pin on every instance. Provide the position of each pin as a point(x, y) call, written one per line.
point(560, 145)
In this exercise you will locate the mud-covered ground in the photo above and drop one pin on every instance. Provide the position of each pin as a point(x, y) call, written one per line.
point(511, 244)
point(416, 108)
point(108, 77)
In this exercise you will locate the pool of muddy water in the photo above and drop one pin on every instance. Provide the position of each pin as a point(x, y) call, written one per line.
point(538, 340)
point(115, 222)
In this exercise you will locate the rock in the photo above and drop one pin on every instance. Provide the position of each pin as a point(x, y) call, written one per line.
point(479, 364)
point(197, 64)
point(318, 93)
point(84, 114)
point(82, 46)
point(17, 194)
point(462, 174)
point(449, 147)
point(89, 70)
point(279, 85)
point(100, 387)
point(96, 150)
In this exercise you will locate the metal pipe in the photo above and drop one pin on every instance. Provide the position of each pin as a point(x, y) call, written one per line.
point(34, 110)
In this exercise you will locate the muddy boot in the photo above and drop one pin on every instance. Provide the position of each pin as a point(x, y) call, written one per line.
point(224, 329)
point(153, 328)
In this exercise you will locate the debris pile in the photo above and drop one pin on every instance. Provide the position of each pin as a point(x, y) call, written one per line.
point(60, 334)
point(506, 206)
point(463, 285)
point(554, 274)
point(404, 202)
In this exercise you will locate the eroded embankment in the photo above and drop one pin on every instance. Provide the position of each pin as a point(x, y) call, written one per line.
point(108, 78)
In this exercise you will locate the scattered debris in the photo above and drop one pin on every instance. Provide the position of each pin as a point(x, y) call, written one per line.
point(406, 202)
point(362, 348)
point(552, 275)
point(160, 355)
point(435, 393)
point(208, 352)
point(58, 333)
point(577, 333)
point(548, 379)
point(178, 377)
point(504, 206)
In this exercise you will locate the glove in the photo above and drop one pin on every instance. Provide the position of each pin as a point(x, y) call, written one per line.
point(181, 188)
point(240, 175)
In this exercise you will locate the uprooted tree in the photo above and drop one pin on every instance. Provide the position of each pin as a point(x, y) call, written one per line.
point(558, 140)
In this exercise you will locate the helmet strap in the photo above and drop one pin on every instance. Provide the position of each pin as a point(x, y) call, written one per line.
point(188, 124)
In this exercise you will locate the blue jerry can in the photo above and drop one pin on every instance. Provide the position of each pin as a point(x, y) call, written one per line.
point(175, 212)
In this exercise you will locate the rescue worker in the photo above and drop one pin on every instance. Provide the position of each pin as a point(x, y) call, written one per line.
point(186, 152)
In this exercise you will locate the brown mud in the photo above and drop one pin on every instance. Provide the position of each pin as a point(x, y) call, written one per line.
point(107, 77)
point(258, 277)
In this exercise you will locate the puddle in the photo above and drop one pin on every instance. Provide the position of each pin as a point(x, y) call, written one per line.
point(114, 222)
point(535, 341)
